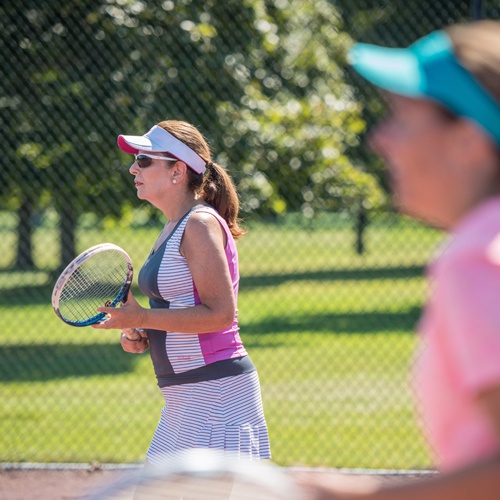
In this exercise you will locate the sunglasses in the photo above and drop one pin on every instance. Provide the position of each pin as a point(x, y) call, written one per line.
point(145, 161)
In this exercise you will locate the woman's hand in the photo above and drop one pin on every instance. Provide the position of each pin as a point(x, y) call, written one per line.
point(129, 315)
point(135, 346)
point(335, 486)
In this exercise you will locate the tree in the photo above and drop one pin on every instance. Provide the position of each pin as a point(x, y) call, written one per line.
point(298, 118)
point(85, 71)
point(392, 24)
point(263, 79)
point(59, 144)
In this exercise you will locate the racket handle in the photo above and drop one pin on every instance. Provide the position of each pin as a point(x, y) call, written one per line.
point(132, 333)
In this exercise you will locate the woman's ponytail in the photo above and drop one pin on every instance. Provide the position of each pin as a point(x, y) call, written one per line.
point(215, 186)
point(218, 189)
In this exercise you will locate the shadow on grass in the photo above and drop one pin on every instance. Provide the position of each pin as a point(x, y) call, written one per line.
point(26, 295)
point(39, 363)
point(41, 294)
point(263, 334)
point(333, 275)
point(34, 295)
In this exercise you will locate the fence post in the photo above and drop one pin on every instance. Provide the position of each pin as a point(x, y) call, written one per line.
point(477, 9)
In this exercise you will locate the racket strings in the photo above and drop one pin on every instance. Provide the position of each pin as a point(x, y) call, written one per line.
point(204, 474)
point(198, 487)
point(96, 282)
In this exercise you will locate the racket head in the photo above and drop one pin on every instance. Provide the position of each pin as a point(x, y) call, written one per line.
point(203, 474)
point(99, 276)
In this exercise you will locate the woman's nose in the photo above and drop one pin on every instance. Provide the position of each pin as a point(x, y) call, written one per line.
point(134, 168)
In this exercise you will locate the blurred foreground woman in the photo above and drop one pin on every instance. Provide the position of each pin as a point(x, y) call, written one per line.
point(441, 144)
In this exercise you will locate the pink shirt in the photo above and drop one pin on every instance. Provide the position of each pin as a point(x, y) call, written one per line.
point(460, 330)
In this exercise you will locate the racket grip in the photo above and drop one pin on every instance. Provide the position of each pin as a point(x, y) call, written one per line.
point(132, 333)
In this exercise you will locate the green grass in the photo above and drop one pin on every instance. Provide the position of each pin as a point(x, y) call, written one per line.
point(330, 331)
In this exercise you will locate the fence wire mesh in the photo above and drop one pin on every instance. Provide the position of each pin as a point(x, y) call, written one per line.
point(331, 279)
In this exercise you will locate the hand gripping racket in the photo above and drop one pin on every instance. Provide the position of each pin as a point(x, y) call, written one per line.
point(99, 277)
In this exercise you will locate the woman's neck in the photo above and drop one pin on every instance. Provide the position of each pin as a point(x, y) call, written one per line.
point(175, 213)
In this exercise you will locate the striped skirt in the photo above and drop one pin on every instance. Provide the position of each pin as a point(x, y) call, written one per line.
point(224, 414)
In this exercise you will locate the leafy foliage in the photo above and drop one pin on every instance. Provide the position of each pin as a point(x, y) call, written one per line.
point(262, 79)
point(298, 117)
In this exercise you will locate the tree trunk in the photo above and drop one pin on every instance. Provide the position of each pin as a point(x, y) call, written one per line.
point(24, 258)
point(69, 220)
point(361, 223)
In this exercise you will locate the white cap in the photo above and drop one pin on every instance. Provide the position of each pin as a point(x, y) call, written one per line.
point(159, 140)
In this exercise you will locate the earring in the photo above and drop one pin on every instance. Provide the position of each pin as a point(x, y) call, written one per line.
point(174, 181)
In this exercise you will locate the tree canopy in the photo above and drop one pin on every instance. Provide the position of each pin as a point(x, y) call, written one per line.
point(263, 80)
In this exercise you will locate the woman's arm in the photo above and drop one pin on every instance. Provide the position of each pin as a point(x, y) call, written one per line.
point(489, 401)
point(480, 481)
point(203, 246)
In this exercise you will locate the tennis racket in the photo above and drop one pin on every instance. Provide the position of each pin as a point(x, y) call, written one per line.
point(203, 474)
point(99, 277)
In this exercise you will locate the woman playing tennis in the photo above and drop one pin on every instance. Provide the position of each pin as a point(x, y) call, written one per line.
point(441, 143)
point(210, 385)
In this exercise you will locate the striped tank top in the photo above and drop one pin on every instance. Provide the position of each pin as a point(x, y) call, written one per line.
point(180, 358)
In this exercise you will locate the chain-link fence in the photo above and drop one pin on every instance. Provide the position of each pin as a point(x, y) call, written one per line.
point(331, 279)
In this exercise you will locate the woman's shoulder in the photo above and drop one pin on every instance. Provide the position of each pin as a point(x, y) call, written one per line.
point(204, 221)
point(204, 215)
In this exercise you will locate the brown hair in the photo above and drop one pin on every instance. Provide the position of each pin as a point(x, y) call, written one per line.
point(215, 186)
point(477, 46)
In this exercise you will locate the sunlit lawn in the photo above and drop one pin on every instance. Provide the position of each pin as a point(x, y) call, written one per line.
point(330, 331)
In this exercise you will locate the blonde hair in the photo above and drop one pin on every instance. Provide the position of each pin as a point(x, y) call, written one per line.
point(215, 186)
point(477, 47)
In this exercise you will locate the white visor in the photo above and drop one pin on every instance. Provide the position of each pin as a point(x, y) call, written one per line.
point(159, 140)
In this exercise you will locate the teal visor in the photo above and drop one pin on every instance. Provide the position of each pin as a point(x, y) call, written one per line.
point(428, 69)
